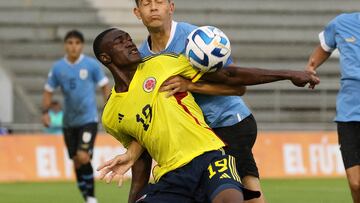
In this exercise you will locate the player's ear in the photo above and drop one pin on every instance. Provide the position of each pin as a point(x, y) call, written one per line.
point(136, 12)
point(172, 7)
point(105, 58)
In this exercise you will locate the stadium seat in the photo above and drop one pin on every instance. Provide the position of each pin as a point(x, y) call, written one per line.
point(264, 33)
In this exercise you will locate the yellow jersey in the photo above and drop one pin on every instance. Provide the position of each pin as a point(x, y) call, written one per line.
point(172, 129)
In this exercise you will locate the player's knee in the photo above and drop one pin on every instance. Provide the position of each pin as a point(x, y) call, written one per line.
point(82, 157)
point(229, 196)
point(355, 185)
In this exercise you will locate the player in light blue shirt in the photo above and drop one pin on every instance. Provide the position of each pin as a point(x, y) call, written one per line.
point(219, 111)
point(78, 76)
point(343, 33)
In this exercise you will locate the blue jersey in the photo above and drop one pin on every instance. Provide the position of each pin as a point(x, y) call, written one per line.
point(219, 111)
point(78, 83)
point(343, 33)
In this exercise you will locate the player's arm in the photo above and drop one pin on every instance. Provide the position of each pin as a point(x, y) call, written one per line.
point(179, 84)
point(233, 75)
point(120, 164)
point(318, 57)
point(230, 80)
point(51, 84)
point(140, 175)
point(46, 101)
point(105, 89)
point(101, 80)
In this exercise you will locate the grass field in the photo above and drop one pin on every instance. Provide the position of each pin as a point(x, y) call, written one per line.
point(276, 191)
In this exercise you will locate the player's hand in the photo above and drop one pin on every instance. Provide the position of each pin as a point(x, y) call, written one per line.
point(45, 118)
point(302, 78)
point(174, 85)
point(311, 68)
point(117, 166)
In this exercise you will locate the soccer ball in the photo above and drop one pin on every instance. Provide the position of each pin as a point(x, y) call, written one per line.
point(207, 48)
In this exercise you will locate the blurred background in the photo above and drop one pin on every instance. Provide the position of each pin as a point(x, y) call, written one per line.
point(278, 34)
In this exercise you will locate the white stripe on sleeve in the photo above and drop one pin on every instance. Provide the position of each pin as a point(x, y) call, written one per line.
point(323, 43)
point(103, 82)
point(48, 88)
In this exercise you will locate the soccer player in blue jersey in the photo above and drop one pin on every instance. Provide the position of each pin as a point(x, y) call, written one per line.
point(343, 33)
point(229, 116)
point(78, 76)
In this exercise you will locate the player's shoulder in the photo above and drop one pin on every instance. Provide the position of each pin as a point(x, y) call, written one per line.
point(164, 58)
point(58, 64)
point(186, 27)
point(345, 18)
point(144, 49)
point(90, 60)
point(183, 30)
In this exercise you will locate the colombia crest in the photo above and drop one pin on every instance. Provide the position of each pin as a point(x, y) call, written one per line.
point(149, 84)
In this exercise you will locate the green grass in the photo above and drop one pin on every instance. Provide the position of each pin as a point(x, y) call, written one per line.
point(276, 191)
point(307, 191)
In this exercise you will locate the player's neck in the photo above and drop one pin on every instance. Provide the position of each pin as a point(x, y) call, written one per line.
point(159, 38)
point(122, 77)
point(73, 59)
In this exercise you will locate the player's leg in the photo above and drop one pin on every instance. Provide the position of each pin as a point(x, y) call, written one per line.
point(229, 196)
point(240, 139)
point(86, 140)
point(349, 140)
point(353, 176)
point(71, 142)
point(177, 186)
point(221, 181)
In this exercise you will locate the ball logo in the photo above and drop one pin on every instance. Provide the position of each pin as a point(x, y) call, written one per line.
point(149, 84)
point(83, 74)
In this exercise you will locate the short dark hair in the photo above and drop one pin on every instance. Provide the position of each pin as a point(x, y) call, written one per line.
point(74, 34)
point(98, 40)
point(137, 2)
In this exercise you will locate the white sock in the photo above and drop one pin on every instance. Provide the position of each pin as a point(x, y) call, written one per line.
point(91, 200)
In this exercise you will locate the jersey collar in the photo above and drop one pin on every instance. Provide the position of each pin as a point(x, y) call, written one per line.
point(172, 34)
point(76, 62)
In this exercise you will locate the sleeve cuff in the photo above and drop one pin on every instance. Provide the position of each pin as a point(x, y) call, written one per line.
point(323, 43)
point(49, 88)
point(196, 77)
point(103, 82)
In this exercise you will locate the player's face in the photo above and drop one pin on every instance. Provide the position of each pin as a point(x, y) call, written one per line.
point(155, 14)
point(73, 47)
point(121, 49)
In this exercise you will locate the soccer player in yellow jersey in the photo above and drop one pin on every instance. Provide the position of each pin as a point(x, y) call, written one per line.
point(191, 165)
point(171, 129)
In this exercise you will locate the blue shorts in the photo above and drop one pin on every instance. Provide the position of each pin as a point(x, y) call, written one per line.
point(198, 181)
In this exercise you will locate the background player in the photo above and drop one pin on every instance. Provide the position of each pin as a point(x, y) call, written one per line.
point(77, 75)
point(229, 116)
point(55, 113)
point(343, 33)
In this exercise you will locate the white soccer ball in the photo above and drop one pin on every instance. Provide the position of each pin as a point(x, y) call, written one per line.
point(207, 48)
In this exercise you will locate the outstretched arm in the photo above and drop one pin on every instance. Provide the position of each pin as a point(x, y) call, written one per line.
point(140, 175)
point(233, 75)
point(179, 84)
point(230, 80)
